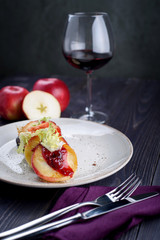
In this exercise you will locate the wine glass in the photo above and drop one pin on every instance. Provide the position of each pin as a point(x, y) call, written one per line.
point(88, 45)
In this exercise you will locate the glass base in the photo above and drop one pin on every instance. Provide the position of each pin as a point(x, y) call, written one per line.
point(96, 116)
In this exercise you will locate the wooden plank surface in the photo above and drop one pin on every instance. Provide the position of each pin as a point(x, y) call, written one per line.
point(133, 106)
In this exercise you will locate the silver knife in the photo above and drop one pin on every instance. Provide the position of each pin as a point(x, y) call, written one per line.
point(82, 216)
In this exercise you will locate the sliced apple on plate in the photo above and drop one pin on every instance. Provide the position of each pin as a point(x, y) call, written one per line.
point(46, 150)
point(34, 141)
point(38, 104)
point(29, 149)
point(48, 172)
point(26, 127)
point(34, 125)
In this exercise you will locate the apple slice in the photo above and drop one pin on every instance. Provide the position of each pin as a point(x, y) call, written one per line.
point(38, 104)
point(37, 127)
point(47, 173)
point(57, 128)
point(27, 126)
point(29, 148)
point(34, 125)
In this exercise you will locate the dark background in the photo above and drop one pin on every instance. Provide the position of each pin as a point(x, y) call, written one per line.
point(31, 33)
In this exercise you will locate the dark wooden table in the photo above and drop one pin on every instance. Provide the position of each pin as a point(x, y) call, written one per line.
point(133, 106)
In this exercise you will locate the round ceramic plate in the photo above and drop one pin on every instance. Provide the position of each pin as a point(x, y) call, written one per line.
point(101, 151)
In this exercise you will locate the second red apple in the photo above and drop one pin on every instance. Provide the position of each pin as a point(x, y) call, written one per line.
point(57, 88)
point(11, 98)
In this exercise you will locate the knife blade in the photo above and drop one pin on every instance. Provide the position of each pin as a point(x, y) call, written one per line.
point(117, 205)
point(82, 216)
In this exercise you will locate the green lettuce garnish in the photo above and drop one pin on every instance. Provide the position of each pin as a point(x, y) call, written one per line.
point(45, 119)
point(48, 138)
point(24, 138)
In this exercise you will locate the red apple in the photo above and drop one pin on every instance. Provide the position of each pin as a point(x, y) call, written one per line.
point(57, 88)
point(11, 98)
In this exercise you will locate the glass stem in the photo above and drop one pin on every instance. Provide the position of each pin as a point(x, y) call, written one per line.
point(89, 95)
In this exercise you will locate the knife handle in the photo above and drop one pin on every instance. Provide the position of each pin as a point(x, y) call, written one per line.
point(44, 219)
point(44, 228)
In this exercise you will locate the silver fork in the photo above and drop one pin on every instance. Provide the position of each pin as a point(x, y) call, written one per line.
point(124, 190)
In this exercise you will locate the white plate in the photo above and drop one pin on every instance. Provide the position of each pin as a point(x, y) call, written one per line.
point(101, 151)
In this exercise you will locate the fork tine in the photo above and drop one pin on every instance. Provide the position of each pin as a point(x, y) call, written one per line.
point(132, 190)
point(125, 188)
point(124, 184)
point(128, 184)
point(121, 194)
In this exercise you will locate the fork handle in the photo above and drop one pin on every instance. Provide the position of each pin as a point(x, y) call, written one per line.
point(45, 218)
point(44, 228)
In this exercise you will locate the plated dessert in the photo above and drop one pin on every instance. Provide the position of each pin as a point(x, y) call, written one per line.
point(46, 151)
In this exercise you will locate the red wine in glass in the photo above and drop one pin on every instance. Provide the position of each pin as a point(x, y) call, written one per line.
point(88, 45)
point(87, 60)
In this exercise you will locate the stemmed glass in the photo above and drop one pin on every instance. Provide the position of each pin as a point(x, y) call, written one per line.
point(88, 45)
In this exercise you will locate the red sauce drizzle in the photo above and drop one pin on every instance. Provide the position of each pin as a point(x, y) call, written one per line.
point(58, 161)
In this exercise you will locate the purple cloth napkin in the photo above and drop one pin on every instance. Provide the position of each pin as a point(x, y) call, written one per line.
point(111, 225)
